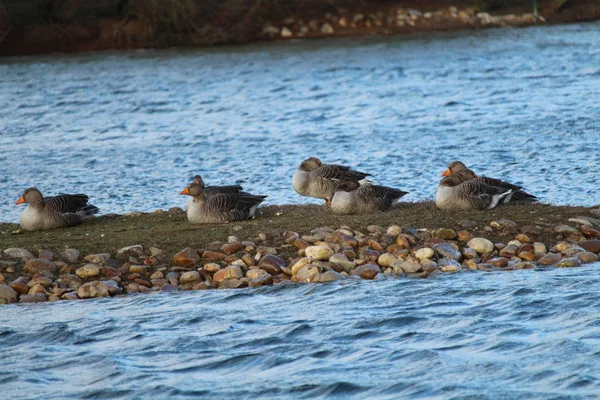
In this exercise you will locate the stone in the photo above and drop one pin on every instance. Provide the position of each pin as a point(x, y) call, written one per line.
point(521, 237)
point(330, 276)
point(327, 29)
point(424, 253)
point(539, 249)
point(255, 273)
point(33, 298)
point(262, 280)
point(271, 264)
point(187, 257)
point(232, 248)
point(70, 296)
point(286, 32)
point(527, 256)
point(202, 286)
point(189, 277)
point(464, 236)
point(92, 290)
point(70, 255)
point(138, 269)
point(524, 265)
point(232, 272)
point(469, 253)
point(394, 230)
point(444, 234)
point(211, 267)
point(129, 251)
point(499, 262)
point(503, 224)
point(342, 261)
point(308, 273)
point(568, 263)
point(15, 252)
point(97, 258)
point(566, 230)
point(549, 259)
point(592, 245)
point(409, 266)
point(20, 285)
point(369, 255)
point(428, 266)
point(587, 257)
point(446, 250)
point(46, 254)
point(232, 283)
point(37, 265)
point(45, 282)
point(213, 255)
point(262, 250)
point(590, 232)
point(37, 288)
point(168, 288)
point(7, 294)
point(481, 245)
point(88, 271)
point(319, 252)
point(509, 251)
point(299, 264)
point(386, 259)
point(367, 271)
point(451, 268)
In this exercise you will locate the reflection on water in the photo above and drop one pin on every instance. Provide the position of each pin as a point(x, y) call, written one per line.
point(130, 129)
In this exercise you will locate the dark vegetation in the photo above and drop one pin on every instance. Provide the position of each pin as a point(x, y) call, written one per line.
point(33, 26)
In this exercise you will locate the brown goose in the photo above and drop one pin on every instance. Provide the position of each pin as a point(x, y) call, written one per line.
point(60, 211)
point(460, 191)
point(220, 207)
point(212, 190)
point(518, 196)
point(315, 179)
point(351, 198)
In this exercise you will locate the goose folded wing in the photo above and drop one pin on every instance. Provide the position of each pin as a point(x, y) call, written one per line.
point(66, 203)
point(338, 173)
point(212, 190)
point(497, 182)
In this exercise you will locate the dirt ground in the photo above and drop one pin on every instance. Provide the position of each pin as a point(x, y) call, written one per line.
point(172, 233)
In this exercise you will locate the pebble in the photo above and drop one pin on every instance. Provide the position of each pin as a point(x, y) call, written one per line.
point(189, 277)
point(342, 261)
point(7, 294)
point(424, 253)
point(409, 266)
point(232, 272)
point(71, 255)
point(15, 252)
point(128, 251)
point(318, 252)
point(272, 264)
point(262, 280)
point(568, 263)
point(255, 273)
point(444, 233)
point(446, 250)
point(481, 245)
point(394, 230)
point(33, 298)
point(88, 271)
point(592, 246)
point(587, 257)
point(37, 265)
point(367, 271)
point(187, 257)
point(539, 249)
point(550, 259)
point(308, 273)
point(232, 248)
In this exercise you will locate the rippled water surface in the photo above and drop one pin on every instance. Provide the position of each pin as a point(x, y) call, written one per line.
point(513, 335)
point(130, 129)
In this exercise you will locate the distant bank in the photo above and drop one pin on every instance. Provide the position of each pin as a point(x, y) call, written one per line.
point(61, 26)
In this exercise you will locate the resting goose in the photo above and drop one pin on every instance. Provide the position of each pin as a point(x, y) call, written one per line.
point(460, 191)
point(315, 179)
point(351, 198)
point(518, 196)
point(212, 190)
point(53, 212)
point(219, 207)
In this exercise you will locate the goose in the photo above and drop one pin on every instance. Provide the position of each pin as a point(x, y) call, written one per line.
point(212, 190)
point(220, 207)
point(460, 191)
point(62, 211)
point(315, 179)
point(352, 198)
point(518, 195)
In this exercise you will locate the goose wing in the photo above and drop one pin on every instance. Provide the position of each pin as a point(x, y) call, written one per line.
point(480, 195)
point(212, 190)
point(66, 203)
point(497, 182)
point(338, 173)
point(382, 193)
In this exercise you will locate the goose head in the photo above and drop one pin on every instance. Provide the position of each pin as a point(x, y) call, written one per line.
point(457, 178)
point(454, 166)
point(310, 164)
point(31, 196)
point(194, 190)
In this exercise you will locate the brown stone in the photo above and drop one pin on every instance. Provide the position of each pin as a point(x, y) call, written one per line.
point(231, 272)
point(498, 262)
point(509, 251)
point(586, 257)
point(366, 271)
point(272, 264)
point(20, 285)
point(33, 298)
point(590, 232)
point(7, 294)
point(592, 245)
point(531, 230)
point(549, 259)
point(527, 256)
point(301, 244)
point(464, 236)
point(444, 233)
point(568, 263)
point(37, 265)
point(375, 245)
point(524, 265)
point(369, 255)
point(187, 257)
point(232, 248)
point(232, 283)
point(213, 255)
point(262, 280)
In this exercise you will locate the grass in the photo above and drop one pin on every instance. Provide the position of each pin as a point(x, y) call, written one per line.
point(172, 233)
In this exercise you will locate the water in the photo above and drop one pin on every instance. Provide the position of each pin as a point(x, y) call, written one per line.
point(513, 335)
point(130, 129)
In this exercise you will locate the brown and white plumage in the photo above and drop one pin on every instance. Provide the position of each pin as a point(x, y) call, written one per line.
point(212, 190)
point(315, 179)
point(518, 195)
point(54, 212)
point(351, 198)
point(220, 207)
point(460, 191)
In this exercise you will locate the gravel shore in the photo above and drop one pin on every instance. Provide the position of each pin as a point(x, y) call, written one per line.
point(160, 251)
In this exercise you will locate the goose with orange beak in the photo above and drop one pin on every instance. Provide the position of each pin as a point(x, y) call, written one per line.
point(62, 211)
point(219, 207)
point(518, 195)
point(212, 190)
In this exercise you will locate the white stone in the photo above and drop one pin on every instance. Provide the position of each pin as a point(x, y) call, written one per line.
point(481, 245)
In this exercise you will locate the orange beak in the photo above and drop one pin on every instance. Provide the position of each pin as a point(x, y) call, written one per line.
point(21, 200)
point(446, 172)
point(185, 191)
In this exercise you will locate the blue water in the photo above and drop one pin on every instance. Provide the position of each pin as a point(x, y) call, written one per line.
point(130, 129)
point(507, 335)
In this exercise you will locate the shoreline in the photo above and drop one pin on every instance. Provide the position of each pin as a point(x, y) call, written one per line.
point(160, 251)
point(89, 33)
